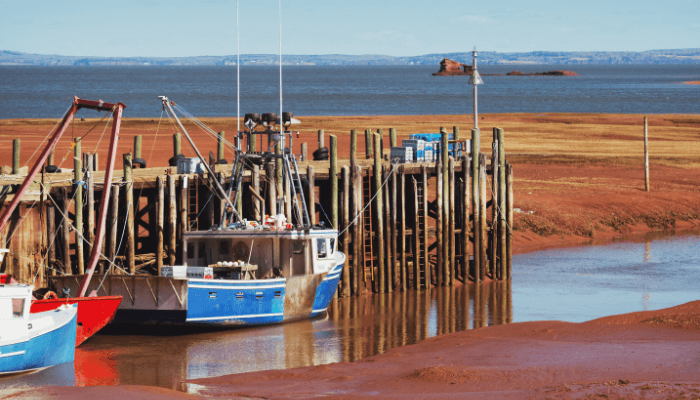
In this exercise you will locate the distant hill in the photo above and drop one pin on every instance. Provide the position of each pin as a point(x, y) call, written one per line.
point(678, 56)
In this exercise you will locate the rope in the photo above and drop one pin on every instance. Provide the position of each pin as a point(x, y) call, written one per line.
point(372, 199)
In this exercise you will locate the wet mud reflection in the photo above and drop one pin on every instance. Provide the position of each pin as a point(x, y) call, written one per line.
point(354, 328)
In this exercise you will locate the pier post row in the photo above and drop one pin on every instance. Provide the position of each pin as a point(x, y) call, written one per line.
point(431, 211)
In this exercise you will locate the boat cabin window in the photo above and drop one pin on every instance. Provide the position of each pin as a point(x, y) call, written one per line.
point(321, 248)
point(332, 246)
point(17, 308)
point(190, 250)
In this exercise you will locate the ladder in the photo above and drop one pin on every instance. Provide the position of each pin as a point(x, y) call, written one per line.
point(422, 232)
point(368, 258)
point(193, 204)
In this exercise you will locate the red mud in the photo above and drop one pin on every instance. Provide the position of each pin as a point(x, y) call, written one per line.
point(578, 178)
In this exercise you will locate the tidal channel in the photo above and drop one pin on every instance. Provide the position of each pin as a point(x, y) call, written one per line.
point(571, 284)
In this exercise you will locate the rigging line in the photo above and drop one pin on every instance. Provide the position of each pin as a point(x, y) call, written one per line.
point(31, 261)
point(48, 183)
point(116, 251)
point(393, 169)
point(155, 139)
point(49, 134)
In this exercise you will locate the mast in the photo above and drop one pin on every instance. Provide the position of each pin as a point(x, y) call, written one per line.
point(222, 192)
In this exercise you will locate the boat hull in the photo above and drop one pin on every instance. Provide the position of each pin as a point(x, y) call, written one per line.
point(220, 302)
point(93, 312)
point(53, 345)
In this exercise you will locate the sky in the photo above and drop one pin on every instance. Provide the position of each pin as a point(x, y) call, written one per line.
point(176, 28)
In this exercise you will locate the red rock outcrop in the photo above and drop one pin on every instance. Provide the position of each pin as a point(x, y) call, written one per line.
point(548, 73)
point(452, 68)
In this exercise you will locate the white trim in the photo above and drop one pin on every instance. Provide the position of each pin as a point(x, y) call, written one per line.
point(16, 353)
point(234, 287)
point(234, 316)
point(236, 281)
point(314, 311)
point(331, 277)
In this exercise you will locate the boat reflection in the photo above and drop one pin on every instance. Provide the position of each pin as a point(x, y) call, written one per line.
point(354, 328)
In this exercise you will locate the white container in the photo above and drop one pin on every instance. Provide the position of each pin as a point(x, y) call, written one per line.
point(403, 154)
point(185, 272)
point(189, 166)
point(418, 147)
point(429, 155)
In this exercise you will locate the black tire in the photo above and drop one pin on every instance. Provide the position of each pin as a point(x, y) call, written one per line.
point(222, 161)
point(138, 161)
point(287, 116)
point(321, 154)
point(173, 160)
point(51, 169)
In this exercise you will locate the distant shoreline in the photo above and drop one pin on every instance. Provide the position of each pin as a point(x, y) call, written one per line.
point(670, 56)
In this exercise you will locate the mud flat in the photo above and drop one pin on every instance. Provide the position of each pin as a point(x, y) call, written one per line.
point(650, 354)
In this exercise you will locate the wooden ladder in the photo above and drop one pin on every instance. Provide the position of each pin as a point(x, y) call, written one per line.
point(193, 204)
point(422, 235)
point(368, 258)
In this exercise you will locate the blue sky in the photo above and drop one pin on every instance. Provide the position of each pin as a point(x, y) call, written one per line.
point(177, 28)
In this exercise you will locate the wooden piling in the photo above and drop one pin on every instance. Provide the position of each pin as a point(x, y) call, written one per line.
point(89, 174)
point(113, 227)
point(304, 152)
point(388, 255)
point(647, 186)
point(15, 156)
point(502, 246)
point(455, 134)
point(311, 194)
point(451, 220)
point(402, 229)
point(396, 273)
point(345, 172)
point(333, 175)
point(321, 140)
point(392, 137)
point(257, 204)
point(426, 252)
point(138, 140)
point(476, 207)
point(65, 233)
point(379, 215)
point(160, 224)
point(51, 235)
point(353, 148)
point(483, 228)
point(493, 234)
point(172, 220)
point(177, 144)
point(417, 248)
point(357, 282)
point(368, 144)
point(466, 200)
point(220, 146)
point(271, 189)
point(444, 157)
point(253, 146)
point(130, 234)
point(78, 201)
point(439, 224)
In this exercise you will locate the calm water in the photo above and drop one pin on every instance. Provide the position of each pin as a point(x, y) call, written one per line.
point(46, 92)
point(574, 284)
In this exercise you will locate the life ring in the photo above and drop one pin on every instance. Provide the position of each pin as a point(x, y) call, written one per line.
point(50, 295)
point(240, 251)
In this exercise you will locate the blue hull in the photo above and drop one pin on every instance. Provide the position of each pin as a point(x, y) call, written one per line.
point(54, 347)
point(224, 302)
point(270, 301)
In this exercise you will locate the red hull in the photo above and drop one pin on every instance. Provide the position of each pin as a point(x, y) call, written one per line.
point(93, 312)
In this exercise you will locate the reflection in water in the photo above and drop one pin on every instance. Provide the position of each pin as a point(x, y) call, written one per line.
point(372, 325)
point(647, 251)
point(354, 328)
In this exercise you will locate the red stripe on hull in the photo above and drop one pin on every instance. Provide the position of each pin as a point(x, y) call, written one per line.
point(93, 312)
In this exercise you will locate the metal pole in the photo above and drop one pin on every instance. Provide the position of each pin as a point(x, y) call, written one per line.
point(474, 83)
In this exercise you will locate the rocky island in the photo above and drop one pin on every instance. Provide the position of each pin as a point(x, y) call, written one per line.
point(455, 68)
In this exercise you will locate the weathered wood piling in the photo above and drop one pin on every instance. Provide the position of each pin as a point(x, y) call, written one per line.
point(403, 226)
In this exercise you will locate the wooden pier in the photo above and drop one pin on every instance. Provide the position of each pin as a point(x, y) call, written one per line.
point(403, 226)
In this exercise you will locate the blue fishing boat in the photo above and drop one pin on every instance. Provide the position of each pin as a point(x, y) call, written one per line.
point(33, 341)
point(277, 269)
